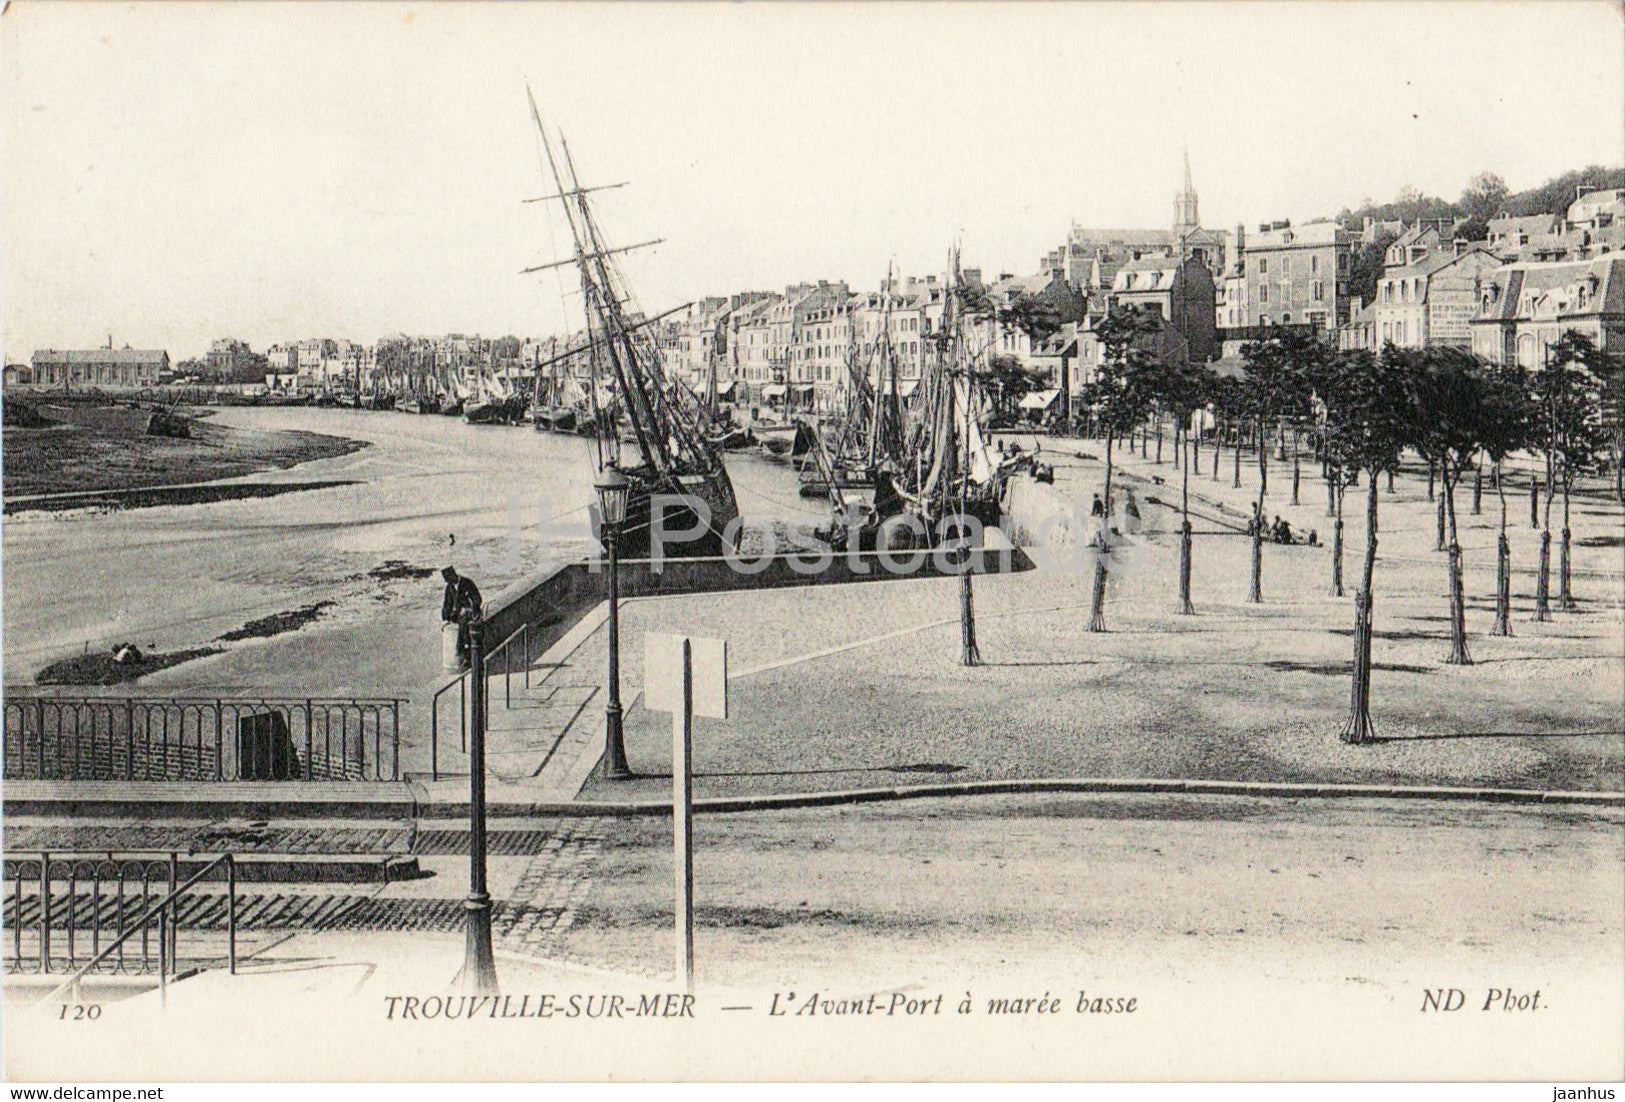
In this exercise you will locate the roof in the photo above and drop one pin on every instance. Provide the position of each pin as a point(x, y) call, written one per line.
point(1291, 237)
point(1121, 237)
point(1433, 263)
point(1030, 285)
point(101, 356)
point(1566, 287)
point(1525, 223)
point(1592, 201)
point(1149, 274)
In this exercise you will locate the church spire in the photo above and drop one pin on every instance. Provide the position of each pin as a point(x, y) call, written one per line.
point(1186, 217)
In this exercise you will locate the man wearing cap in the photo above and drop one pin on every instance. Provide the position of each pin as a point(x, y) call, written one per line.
point(461, 605)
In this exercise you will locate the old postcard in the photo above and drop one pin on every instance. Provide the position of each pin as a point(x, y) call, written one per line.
point(591, 542)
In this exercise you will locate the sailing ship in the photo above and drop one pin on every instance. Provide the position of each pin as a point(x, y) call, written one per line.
point(495, 403)
point(929, 466)
point(668, 452)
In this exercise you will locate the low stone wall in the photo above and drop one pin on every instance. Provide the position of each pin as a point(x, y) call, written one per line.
point(553, 603)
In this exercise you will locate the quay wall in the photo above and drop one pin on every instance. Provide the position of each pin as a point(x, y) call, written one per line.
point(554, 602)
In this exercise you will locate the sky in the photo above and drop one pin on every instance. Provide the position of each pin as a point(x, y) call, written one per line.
point(176, 172)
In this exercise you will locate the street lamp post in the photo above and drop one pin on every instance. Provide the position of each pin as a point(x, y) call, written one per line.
point(479, 962)
point(612, 487)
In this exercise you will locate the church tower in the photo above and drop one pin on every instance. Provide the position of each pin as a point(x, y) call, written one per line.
point(1186, 219)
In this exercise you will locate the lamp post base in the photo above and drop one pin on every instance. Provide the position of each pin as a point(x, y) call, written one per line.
point(479, 975)
point(614, 763)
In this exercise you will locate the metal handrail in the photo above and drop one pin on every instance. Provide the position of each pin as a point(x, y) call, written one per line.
point(507, 661)
point(163, 908)
point(461, 681)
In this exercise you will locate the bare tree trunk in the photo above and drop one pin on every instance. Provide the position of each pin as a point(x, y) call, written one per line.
point(1296, 467)
point(1534, 501)
point(1235, 483)
point(1390, 479)
point(1159, 439)
point(1097, 612)
point(1503, 566)
point(1106, 495)
point(1543, 581)
point(1255, 593)
point(1565, 592)
point(1185, 606)
point(1439, 540)
point(1218, 445)
point(1432, 473)
point(1478, 488)
point(1359, 728)
point(969, 655)
point(1337, 548)
point(1459, 655)
point(1331, 491)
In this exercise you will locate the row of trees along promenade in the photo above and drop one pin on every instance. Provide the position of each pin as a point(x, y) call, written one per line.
point(1361, 412)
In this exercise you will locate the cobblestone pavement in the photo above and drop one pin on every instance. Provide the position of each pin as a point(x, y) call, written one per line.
point(404, 839)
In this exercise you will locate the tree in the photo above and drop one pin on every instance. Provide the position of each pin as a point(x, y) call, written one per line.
point(1486, 194)
point(1008, 381)
point(1183, 388)
point(1453, 412)
point(1365, 267)
point(1121, 395)
point(1573, 437)
point(1508, 425)
point(1611, 369)
point(1367, 426)
point(1275, 387)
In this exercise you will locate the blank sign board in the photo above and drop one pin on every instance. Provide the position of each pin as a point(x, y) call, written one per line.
point(663, 674)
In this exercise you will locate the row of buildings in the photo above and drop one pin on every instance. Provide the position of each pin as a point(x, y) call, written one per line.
point(1507, 297)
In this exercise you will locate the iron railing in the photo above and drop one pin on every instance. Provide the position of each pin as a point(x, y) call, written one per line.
point(209, 739)
point(504, 667)
point(80, 913)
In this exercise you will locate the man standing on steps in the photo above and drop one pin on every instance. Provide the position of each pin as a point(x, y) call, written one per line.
point(461, 605)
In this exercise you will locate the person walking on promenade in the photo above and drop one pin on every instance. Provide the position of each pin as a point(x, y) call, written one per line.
point(460, 605)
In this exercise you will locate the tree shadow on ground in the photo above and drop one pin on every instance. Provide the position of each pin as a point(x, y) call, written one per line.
point(1397, 636)
point(1496, 734)
point(1340, 669)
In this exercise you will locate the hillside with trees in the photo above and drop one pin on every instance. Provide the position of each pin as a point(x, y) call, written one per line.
point(1485, 195)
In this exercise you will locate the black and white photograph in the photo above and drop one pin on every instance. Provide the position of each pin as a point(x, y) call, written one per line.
point(813, 542)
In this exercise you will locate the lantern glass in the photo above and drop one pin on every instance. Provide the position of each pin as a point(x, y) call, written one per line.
point(612, 487)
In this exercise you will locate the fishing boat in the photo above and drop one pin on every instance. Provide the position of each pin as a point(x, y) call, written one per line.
point(669, 452)
point(942, 468)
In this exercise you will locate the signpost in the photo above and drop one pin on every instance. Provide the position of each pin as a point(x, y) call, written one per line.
point(686, 677)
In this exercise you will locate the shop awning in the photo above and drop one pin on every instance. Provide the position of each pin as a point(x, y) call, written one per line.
point(804, 388)
point(773, 390)
point(1039, 399)
point(905, 387)
point(725, 388)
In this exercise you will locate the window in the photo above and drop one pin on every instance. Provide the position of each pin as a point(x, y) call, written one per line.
point(1342, 263)
point(1263, 319)
point(1264, 294)
point(1286, 266)
point(1314, 264)
point(1263, 265)
point(1318, 291)
point(1286, 319)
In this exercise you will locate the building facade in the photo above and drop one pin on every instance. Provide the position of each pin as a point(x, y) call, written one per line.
point(1298, 275)
point(1433, 300)
point(99, 367)
point(1525, 308)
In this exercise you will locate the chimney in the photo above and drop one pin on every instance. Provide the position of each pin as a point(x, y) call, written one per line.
point(1461, 245)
